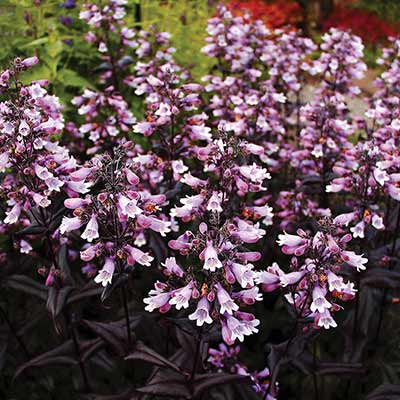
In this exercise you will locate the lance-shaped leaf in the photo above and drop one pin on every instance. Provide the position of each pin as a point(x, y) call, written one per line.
point(57, 298)
point(385, 392)
point(204, 382)
point(158, 246)
point(286, 352)
point(89, 290)
point(145, 353)
point(129, 394)
point(113, 333)
point(381, 278)
point(117, 282)
point(90, 347)
point(63, 264)
point(327, 368)
point(33, 229)
point(61, 355)
point(56, 216)
point(174, 388)
point(27, 285)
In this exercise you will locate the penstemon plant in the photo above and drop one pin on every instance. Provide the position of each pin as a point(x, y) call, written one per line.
point(233, 237)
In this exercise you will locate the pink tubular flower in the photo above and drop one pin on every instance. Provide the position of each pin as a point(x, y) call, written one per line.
point(136, 255)
point(291, 278)
point(226, 303)
point(211, 261)
point(180, 297)
point(325, 320)
point(214, 203)
point(157, 225)
point(131, 177)
point(75, 202)
point(247, 232)
point(106, 273)
point(89, 253)
point(244, 274)
point(270, 279)
point(182, 243)
point(292, 244)
point(70, 224)
point(30, 62)
point(129, 206)
point(158, 300)
point(81, 174)
point(91, 231)
point(172, 268)
point(319, 302)
point(13, 214)
point(248, 296)
point(355, 260)
point(358, 230)
point(202, 314)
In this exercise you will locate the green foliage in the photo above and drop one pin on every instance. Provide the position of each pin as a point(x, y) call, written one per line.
point(66, 60)
point(386, 9)
point(30, 27)
point(186, 20)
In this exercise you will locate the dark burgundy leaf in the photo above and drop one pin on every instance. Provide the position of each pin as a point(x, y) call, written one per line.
point(116, 283)
point(385, 392)
point(90, 347)
point(204, 382)
point(57, 298)
point(62, 261)
point(173, 193)
point(3, 349)
point(158, 247)
point(129, 394)
point(113, 333)
point(61, 355)
point(27, 285)
point(89, 290)
point(144, 353)
point(55, 219)
point(326, 368)
point(369, 299)
point(175, 388)
point(33, 229)
point(284, 353)
point(381, 278)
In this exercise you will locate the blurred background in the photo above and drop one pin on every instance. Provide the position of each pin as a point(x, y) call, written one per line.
point(52, 30)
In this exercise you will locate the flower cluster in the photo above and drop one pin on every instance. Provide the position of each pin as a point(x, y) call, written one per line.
point(196, 179)
point(30, 121)
point(111, 36)
point(313, 284)
point(106, 115)
point(115, 215)
point(226, 359)
point(220, 276)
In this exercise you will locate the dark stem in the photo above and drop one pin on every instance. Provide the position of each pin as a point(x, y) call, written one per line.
point(197, 354)
point(299, 315)
point(14, 332)
point(363, 209)
point(356, 311)
point(21, 343)
point(385, 291)
point(127, 320)
point(78, 354)
point(315, 380)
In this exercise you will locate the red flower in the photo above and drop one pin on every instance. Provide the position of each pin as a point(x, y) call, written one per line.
point(363, 23)
point(275, 15)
